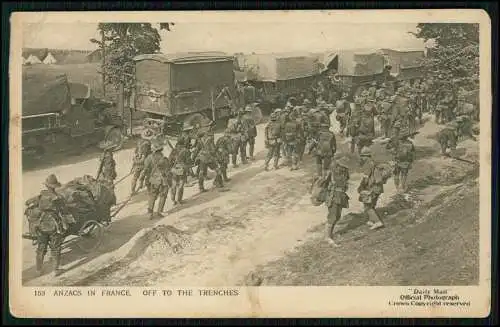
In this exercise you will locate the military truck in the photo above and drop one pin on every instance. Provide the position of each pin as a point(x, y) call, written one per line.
point(179, 89)
point(278, 76)
point(59, 116)
point(353, 71)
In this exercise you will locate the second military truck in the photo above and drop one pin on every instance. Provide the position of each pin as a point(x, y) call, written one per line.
point(183, 89)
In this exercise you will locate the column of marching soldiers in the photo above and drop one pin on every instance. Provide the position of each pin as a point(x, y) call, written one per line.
point(302, 127)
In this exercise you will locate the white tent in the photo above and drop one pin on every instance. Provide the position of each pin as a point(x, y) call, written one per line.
point(33, 60)
point(49, 59)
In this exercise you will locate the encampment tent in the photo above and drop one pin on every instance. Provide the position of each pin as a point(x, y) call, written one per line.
point(49, 59)
point(44, 92)
point(33, 60)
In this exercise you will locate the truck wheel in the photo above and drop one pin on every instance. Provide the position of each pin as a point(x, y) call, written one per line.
point(196, 120)
point(114, 137)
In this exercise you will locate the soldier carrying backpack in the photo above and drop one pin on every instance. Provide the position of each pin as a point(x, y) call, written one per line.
point(324, 150)
point(290, 130)
point(404, 155)
point(273, 139)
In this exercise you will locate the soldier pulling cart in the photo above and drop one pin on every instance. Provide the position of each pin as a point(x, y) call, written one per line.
point(75, 213)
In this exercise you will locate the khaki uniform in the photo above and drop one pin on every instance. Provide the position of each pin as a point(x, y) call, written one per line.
point(370, 189)
point(181, 164)
point(235, 130)
point(107, 169)
point(324, 151)
point(158, 179)
point(51, 206)
point(205, 157)
point(404, 155)
point(337, 198)
point(290, 131)
point(140, 154)
point(273, 139)
point(251, 133)
point(223, 148)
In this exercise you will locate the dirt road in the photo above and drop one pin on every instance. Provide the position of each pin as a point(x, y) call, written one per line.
point(263, 217)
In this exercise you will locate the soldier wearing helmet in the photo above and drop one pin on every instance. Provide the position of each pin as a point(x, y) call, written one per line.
point(337, 184)
point(272, 139)
point(403, 152)
point(250, 130)
point(52, 209)
point(205, 157)
point(371, 187)
point(107, 167)
point(157, 176)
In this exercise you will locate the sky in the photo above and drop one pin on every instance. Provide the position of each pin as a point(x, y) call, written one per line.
point(239, 37)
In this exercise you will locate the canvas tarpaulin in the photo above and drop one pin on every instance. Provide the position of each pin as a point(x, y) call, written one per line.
point(351, 63)
point(276, 67)
point(44, 92)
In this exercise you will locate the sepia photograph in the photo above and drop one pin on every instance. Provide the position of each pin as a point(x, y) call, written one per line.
point(221, 163)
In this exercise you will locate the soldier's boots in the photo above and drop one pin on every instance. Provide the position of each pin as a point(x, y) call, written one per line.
point(224, 176)
point(173, 195)
point(251, 151)
point(39, 263)
point(161, 205)
point(201, 187)
point(180, 193)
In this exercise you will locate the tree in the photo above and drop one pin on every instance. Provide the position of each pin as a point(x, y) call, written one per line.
point(455, 54)
point(122, 42)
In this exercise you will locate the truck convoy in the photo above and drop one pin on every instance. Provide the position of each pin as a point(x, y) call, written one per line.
point(58, 115)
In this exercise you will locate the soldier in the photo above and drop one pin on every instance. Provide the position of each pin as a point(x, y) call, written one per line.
point(403, 152)
point(251, 131)
point(235, 129)
point(290, 131)
point(464, 127)
point(412, 111)
point(107, 167)
point(337, 198)
point(301, 132)
point(156, 171)
point(366, 131)
point(181, 165)
point(343, 111)
point(205, 156)
point(52, 209)
point(324, 150)
point(223, 148)
point(384, 115)
point(447, 137)
point(354, 122)
point(370, 188)
point(141, 152)
point(372, 90)
point(273, 139)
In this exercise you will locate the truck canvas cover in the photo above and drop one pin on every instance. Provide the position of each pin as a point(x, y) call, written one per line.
point(353, 62)
point(179, 83)
point(280, 67)
point(44, 92)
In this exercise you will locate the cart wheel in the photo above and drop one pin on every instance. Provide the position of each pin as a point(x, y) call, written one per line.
point(90, 236)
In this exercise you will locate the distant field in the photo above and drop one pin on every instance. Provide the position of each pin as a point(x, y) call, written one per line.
point(79, 73)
